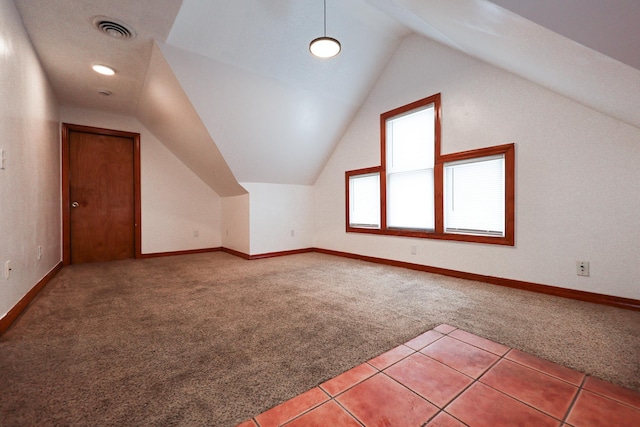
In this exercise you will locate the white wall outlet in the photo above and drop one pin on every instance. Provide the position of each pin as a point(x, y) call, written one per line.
point(7, 269)
point(292, 233)
point(2, 158)
point(582, 268)
point(414, 249)
point(196, 233)
point(39, 252)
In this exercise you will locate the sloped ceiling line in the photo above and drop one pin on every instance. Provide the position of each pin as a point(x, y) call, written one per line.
point(167, 112)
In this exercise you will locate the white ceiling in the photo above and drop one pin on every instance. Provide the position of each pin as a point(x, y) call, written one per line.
point(610, 27)
point(68, 44)
point(272, 111)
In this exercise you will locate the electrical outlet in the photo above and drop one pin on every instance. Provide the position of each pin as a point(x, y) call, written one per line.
point(582, 268)
point(7, 269)
point(196, 233)
point(292, 233)
point(39, 252)
point(414, 249)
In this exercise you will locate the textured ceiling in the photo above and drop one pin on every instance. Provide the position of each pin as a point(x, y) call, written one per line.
point(273, 111)
point(67, 44)
point(609, 27)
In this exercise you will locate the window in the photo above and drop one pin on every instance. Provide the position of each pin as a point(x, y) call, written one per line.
point(474, 196)
point(417, 192)
point(364, 201)
point(409, 167)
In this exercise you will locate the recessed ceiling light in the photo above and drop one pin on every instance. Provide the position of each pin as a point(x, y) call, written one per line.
point(103, 69)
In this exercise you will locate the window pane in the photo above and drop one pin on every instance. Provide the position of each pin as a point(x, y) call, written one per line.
point(364, 200)
point(474, 196)
point(410, 141)
point(410, 200)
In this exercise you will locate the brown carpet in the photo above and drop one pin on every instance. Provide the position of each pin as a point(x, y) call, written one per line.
point(212, 339)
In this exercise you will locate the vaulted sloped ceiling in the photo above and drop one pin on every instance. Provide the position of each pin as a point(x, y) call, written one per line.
point(264, 110)
point(500, 37)
point(274, 110)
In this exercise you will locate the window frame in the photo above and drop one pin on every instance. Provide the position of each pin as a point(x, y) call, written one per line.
point(348, 176)
point(508, 150)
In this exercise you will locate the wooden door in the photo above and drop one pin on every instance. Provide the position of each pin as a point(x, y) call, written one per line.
point(101, 197)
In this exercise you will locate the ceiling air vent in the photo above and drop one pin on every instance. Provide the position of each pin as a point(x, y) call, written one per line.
point(113, 28)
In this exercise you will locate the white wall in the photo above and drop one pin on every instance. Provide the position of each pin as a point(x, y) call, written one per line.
point(30, 211)
point(281, 217)
point(577, 174)
point(236, 233)
point(175, 203)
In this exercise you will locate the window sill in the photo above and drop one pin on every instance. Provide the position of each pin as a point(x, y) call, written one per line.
point(458, 237)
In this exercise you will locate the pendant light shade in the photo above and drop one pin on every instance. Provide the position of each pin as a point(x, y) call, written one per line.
point(325, 47)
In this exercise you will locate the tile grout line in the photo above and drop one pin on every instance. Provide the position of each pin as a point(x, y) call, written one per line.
point(515, 398)
point(574, 400)
point(349, 412)
point(473, 380)
point(546, 373)
point(477, 380)
point(606, 396)
point(419, 351)
point(309, 409)
point(522, 402)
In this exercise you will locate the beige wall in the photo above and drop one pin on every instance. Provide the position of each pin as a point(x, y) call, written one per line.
point(30, 213)
point(577, 174)
point(236, 233)
point(281, 217)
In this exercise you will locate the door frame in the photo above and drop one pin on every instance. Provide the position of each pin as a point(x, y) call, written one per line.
point(66, 214)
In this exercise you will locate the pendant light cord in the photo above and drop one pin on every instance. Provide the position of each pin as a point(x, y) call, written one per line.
point(325, 18)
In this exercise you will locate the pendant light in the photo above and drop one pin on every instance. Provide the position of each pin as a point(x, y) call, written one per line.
point(325, 47)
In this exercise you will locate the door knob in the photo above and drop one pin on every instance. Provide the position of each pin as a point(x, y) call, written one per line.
point(75, 204)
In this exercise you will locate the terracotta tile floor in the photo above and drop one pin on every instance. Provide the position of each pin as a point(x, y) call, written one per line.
point(448, 377)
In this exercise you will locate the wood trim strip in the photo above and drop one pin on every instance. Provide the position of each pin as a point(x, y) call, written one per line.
point(510, 195)
point(477, 153)
point(137, 198)
point(267, 254)
point(66, 214)
point(281, 253)
point(12, 315)
point(610, 300)
point(614, 301)
point(173, 253)
point(236, 253)
point(438, 197)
